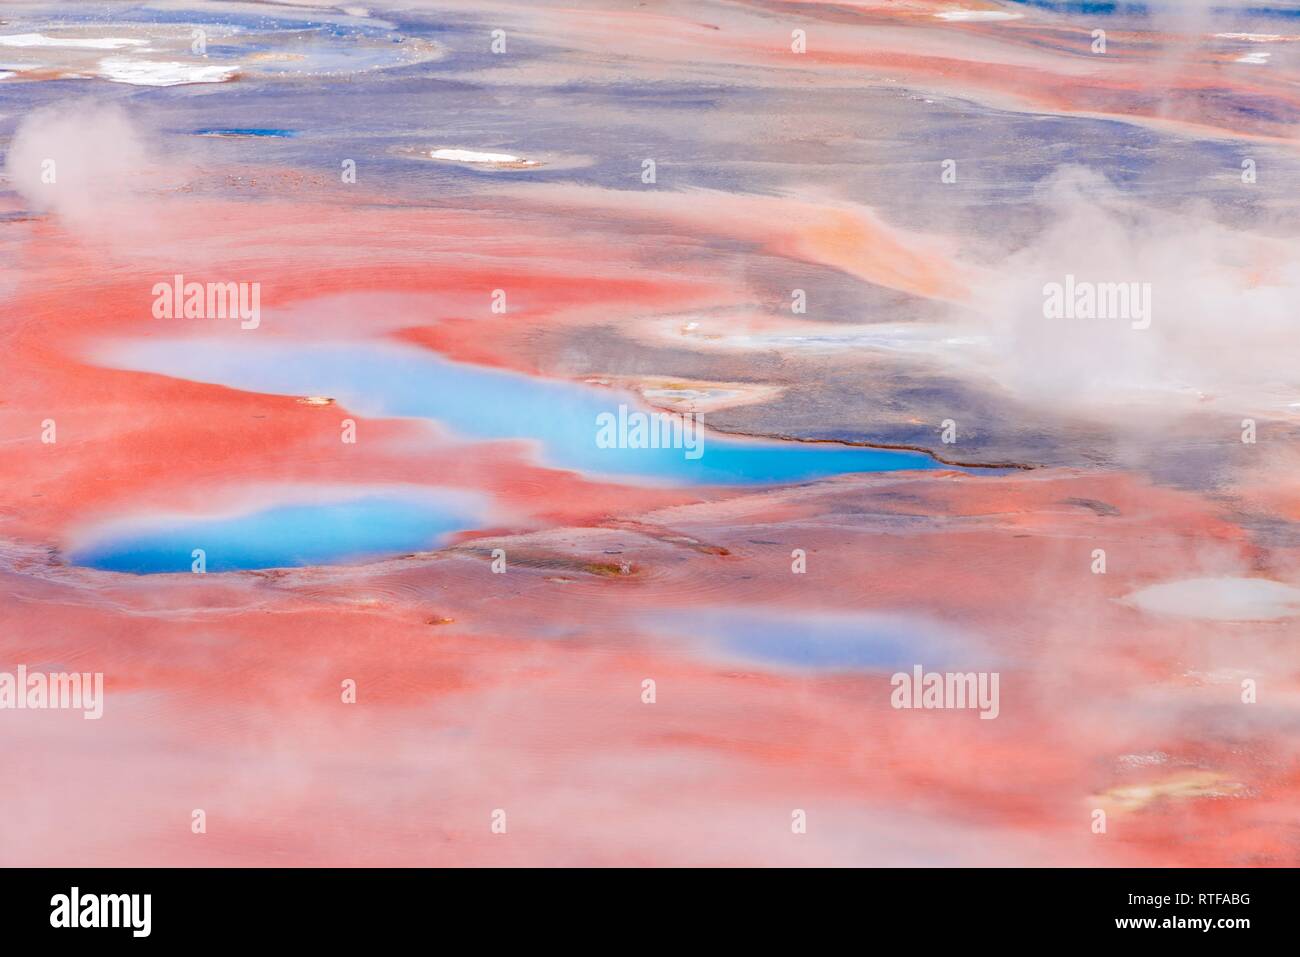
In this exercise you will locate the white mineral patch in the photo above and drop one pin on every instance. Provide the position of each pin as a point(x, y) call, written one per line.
point(971, 16)
point(1219, 599)
point(162, 73)
point(72, 43)
point(473, 156)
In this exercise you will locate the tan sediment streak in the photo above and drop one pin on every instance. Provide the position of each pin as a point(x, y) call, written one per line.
point(845, 236)
point(1183, 786)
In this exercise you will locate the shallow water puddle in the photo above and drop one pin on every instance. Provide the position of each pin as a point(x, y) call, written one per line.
point(277, 537)
point(599, 432)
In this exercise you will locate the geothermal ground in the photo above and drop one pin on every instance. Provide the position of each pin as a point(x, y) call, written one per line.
point(314, 320)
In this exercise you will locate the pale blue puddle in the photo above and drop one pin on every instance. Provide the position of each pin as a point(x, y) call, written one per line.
point(279, 537)
point(475, 402)
point(827, 641)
